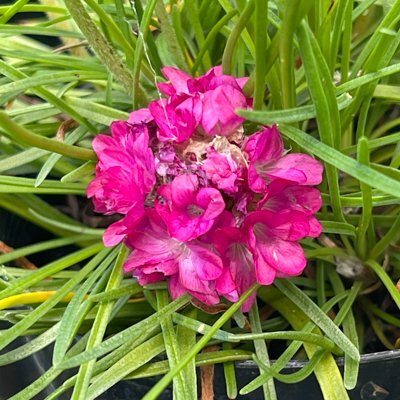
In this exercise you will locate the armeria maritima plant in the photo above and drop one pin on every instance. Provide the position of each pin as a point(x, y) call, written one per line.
point(207, 185)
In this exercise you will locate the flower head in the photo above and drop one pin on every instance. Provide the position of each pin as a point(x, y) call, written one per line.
point(202, 206)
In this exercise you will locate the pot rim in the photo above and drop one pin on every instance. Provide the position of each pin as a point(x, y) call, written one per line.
point(369, 358)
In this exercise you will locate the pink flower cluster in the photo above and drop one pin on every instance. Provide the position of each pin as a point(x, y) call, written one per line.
point(202, 205)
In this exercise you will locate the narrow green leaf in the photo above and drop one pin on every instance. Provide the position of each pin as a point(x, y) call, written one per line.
point(23, 283)
point(48, 78)
point(100, 323)
point(17, 329)
point(80, 173)
point(36, 248)
point(227, 57)
point(134, 332)
point(261, 350)
point(351, 366)
point(48, 377)
point(340, 228)
point(31, 347)
point(260, 43)
point(171, 347)
point(71, 139)
point(368, 78)
point(15, 74)
point(163, 383)
point(11, 30)
point(211, 36)
point(318, 317)
point(187, 339)
point(322, 93)
point(294, 377)
point(342, 162)
point(73, 315)
point(115, 294)
point(22, 158)
point(132, 361)
point(300, 322)
point(104, 50)
point(385, 241)
point(386, 280)
point(96, 112)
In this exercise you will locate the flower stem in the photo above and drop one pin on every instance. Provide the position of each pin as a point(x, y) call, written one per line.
point(103, 49)
point(25, 136)
point(234, 37)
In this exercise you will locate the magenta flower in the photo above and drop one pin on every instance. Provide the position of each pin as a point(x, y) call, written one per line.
point(222, 170)
point(178, 81)
point(118, 231)
point(238, 263)
point(187, 210)
point(272, 239)
point(125, 173)
point(177, 118)
point(140, 116)
point(282, 196)
point(220, 95)
point(192, 266)
point(219, 105)
point(269, 162)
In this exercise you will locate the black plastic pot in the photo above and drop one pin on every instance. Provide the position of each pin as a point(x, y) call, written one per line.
point(378, 379)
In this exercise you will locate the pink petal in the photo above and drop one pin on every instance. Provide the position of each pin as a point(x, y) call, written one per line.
point(149, 263)
point(225, 285)
point(207, 264)
point(195, 267)
point(299, 168)
point(175, 288)
point(315, 227)
point(211, 201)
point(286, 224)
point(177, 78)
point(265, 274)
point(236, 255)
point(176, 118)
point(222, 170)
point(140, 116)
point(224, 220)
point(183, 189)
point(265, 147)
point(219, 105)
point(155, 241)
point(285, 257)
point(146, 279)
point(282, 195)
point(208, 294)
point(242, 81)
point(166, 88)
point(118, 231)
point(188, 211)
point(256, 182)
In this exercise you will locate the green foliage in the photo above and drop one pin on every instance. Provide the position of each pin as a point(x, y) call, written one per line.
point(326, 72)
